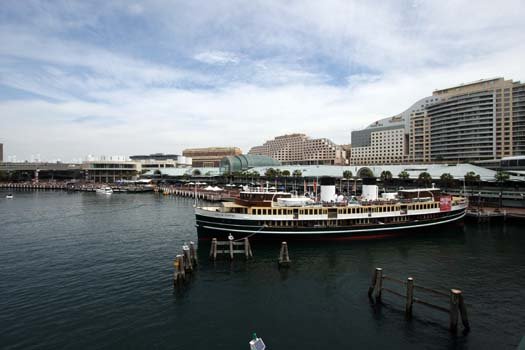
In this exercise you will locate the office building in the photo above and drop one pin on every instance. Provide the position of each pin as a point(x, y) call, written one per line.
point(210, 156)
point(110, 169)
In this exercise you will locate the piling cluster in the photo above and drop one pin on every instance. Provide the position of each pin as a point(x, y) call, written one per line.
point(456, 307)
point(184, 264)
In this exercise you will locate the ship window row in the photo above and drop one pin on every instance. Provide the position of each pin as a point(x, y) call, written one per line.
point(421, 206)
point(349, 210)
point(344, 222)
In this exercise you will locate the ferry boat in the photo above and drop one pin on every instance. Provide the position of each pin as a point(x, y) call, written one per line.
point(264, 214)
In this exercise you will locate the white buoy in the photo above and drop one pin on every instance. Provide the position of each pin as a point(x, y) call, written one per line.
point(257, 343)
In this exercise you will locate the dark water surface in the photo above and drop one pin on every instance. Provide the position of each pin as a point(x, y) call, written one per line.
point(80, 270)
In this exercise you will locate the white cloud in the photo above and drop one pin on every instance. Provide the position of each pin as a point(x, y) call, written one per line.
point(217, 57)
point(323, 68)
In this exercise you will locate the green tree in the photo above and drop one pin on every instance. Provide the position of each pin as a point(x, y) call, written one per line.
point(270, 173)
point(386, 176)
point(471, 177)
point(501, 176)
point(425, 178)
point(285, 174)
point(404, 175)
point(297, 173)
point(446, 180)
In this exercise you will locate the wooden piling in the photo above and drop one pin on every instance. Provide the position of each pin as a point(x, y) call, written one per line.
point(213, 249)
point(247, 249)
point(454, 309)
point(193, 254)
point(179, 273)
point(231, 248)
point(373, 284)
point(187, 259)
point(463, 312)
point(284, 258)
point(410, 297)
point(379, 283)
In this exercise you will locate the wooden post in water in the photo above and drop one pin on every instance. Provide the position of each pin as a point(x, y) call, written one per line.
point(410, 297)
point(463, 312)
point(379, 283)
point(373, 284)
point(179, 273)
point(213, 249)
point(187, 259)
point(247, 249)
point(231, 249)
point(284, 258)
point(193, 254)
point(454, 309)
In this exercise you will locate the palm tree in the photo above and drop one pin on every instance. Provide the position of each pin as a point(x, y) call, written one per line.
point(386, 176)
point(425, 178)
point(297, 173)
point(471, 178)
point(501, 176)
point(285, 174)
point(446, 179)
point(404, 175)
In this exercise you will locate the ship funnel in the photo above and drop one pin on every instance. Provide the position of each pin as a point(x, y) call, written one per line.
point(327, 189)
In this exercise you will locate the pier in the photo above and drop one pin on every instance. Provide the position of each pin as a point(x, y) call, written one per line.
point(70, 186)
point(234, 247)
point(199, 193)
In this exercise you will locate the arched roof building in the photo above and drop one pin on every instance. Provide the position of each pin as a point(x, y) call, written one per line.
point(242, 162)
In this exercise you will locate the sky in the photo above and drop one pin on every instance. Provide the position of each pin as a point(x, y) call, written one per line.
point(125, 77)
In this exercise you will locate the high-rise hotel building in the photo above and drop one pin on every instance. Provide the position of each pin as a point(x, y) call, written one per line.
point(483, 120)
point(387, 141)
point(477, 121)
point(300, 149)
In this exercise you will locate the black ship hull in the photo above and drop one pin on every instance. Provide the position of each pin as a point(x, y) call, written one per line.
point(209, 227)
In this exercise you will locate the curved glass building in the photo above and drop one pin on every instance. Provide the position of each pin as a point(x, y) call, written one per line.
point(242, 162)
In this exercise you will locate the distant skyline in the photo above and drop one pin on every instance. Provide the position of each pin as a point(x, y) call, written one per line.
point(139, 77)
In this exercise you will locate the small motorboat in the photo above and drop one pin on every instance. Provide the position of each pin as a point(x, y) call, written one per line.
point(9, 196)
point(104, 190)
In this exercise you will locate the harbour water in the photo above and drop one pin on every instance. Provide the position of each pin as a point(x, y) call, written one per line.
point(80, 270)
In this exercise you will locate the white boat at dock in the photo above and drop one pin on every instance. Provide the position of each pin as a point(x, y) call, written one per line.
point(104, 190)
